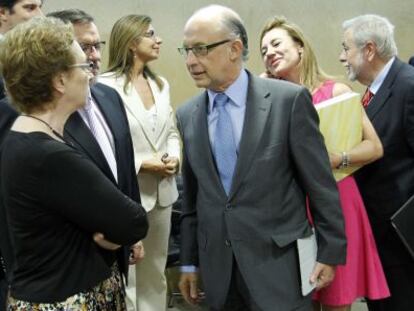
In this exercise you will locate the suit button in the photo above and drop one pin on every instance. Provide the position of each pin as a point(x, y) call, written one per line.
point(228, 243)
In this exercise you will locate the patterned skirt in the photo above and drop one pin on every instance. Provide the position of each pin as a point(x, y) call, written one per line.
point(109, 295)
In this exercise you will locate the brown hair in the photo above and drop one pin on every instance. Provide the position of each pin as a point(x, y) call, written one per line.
point(310, 74)
point(125, 31)
point(31, 55)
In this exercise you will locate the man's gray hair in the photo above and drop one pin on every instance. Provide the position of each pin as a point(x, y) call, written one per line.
point(235, 27)
point(375, 28)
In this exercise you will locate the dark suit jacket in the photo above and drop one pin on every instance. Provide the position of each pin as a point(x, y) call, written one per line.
point(7, 117)
point(282, 156)
point(2, 93)
point(76, 131)
point(388, 182)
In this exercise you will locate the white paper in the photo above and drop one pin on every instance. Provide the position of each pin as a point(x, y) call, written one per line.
point(307, 250)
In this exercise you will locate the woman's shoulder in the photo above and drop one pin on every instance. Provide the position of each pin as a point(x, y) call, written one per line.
point(33, 149)
point(340, 88)
point(164, 81)
point(111, 79)
point(165, 89)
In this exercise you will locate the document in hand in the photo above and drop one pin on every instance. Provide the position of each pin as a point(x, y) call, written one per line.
point(307, 251)
point(402, 221)
point(341, 126)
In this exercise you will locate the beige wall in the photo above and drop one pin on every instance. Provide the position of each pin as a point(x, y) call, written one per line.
point(320, 19)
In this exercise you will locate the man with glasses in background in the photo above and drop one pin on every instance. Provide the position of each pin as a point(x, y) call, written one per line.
point(12, 12)
point(100, 130)
point(370, 56)
point(252, 152)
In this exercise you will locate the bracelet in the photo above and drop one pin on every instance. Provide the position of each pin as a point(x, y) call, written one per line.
point(346, 161)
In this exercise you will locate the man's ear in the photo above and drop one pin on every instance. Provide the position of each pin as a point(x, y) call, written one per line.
point(370, 50)
point(236, 49)
point(59, 83)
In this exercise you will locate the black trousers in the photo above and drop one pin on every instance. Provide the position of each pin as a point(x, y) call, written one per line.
point(3, 294)
point(400, 281)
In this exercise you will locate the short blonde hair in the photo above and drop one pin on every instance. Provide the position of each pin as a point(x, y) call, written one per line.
point(310, 74)
point(125, 31)
point(31, 55)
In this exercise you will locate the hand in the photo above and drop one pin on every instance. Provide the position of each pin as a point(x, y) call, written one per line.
point(154, 166)
point(335, 159)
point(322, 275)
point(137, 253)
point(171, 164)
point(99, 239)
point(188, 286)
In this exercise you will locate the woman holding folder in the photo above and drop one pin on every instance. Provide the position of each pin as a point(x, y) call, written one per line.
point(288, 55)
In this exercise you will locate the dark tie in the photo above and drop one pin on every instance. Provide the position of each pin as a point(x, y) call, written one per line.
point(224, 144)
point(367, 97)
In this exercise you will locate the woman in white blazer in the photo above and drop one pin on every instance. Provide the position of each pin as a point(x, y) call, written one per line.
point(132, 45)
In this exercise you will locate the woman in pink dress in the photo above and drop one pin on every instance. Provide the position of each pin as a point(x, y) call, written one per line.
point(287, 55)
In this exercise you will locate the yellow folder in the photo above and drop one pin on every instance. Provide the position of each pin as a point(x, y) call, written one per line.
point(341, 126)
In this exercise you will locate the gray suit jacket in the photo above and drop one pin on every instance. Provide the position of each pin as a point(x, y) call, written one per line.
point(282, 157)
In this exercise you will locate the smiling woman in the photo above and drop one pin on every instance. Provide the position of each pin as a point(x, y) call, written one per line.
point(288, 55)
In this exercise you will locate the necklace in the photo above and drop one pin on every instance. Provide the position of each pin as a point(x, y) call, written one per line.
point(56, 133)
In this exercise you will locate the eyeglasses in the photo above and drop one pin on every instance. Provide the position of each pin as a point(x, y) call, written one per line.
point(200, 50)
point(149, 34)
point(88, 48)
point(84, 66)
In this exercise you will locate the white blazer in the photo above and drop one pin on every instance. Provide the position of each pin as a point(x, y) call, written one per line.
point(148, 143)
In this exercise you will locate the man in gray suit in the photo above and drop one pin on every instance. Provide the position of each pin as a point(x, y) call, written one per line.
point(252, 152)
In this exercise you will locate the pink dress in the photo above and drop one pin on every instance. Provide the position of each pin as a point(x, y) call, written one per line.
point(362, 275)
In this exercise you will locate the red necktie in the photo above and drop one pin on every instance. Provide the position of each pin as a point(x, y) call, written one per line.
point(367, 98)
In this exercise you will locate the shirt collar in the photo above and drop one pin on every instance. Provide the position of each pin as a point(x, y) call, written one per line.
point(376, 84)
point(88, 102)
point(237, 91)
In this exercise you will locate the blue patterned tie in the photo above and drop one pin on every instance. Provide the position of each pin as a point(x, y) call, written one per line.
point(224, 144)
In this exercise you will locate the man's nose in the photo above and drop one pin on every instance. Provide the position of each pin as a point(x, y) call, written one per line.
point(190, 58)
point(342, 57)
point(94, 54)
point(38, 12)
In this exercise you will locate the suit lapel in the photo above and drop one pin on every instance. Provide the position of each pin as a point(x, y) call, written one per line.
point(202, 139)
point(135, 106)
point(384, 92)
point(257, 111)
point(78, 132)
point(162, 110)
point(107, 110)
